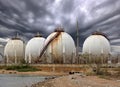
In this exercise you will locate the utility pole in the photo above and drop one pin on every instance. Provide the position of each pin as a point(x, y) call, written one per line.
point(77, 42)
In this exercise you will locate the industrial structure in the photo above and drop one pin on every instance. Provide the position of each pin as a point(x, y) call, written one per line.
point(97, 44)
point(59, 47)
point(1, 53)
point(33, 48)
point(115, 53)
point(14, 51)
point(77, 43)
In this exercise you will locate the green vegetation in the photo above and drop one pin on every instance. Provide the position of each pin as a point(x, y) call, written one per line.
point(21, 68)
point(109, 73)
point(2, 67)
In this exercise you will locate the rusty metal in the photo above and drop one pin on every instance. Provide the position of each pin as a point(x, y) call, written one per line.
point(38, 35)
point(100, 33)
point(16, 37)
point(57, 47)
point(55, 53)
point(59, 29)
point(45, 47)
point(60, 50)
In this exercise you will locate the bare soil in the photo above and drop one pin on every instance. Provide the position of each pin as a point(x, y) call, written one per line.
point(40, 73)
point(78, 81)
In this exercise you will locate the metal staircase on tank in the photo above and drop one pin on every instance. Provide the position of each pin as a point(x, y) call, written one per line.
point(58, 32)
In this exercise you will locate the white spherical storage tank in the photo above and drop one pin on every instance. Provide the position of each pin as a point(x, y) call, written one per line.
point(33, 48)
point(96, 44)
point(14, 51)
point(61, 47)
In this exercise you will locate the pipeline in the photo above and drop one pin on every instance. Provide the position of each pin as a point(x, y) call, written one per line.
point(45, 47)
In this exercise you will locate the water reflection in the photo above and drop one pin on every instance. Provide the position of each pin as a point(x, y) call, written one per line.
point(19, 80)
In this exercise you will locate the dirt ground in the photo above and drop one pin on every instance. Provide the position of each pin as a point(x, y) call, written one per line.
point(78, 81)
point(40, 73)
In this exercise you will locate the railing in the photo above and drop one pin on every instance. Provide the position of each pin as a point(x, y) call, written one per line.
point(45, 47)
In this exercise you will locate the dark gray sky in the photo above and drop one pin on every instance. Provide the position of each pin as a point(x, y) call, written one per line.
point(27, 17)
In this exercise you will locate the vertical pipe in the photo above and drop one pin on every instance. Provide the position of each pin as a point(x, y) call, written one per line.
point(77, 43)
point(73, 56)
point(102, 56)
point(89, 56)
point(64, 61)
point(29, 61)
point(7, 60)
point(26, 58)
point(118, 59)
point(14, 54)
point(15, 57)
point(51, 60)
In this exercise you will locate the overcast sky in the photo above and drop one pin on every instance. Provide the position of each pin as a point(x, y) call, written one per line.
point(27, 17)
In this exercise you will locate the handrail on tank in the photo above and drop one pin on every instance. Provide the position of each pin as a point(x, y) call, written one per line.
point(58, 31)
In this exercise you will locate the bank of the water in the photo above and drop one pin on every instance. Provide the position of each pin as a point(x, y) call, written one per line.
point(78, 81)
point(40, 73)
point(13, 80)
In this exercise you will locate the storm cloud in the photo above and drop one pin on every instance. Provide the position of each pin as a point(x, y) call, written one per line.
point(27, 17)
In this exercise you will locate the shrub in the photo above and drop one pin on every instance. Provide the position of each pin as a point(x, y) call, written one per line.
point(21, 68)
